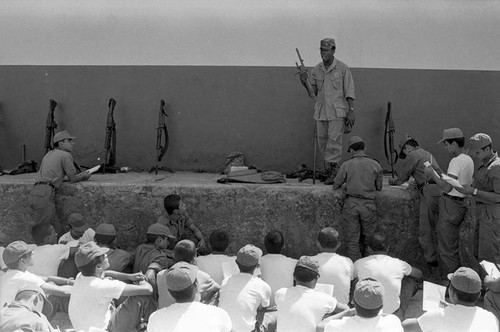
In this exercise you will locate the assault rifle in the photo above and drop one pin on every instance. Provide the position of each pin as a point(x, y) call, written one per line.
point(50, 127)
point(161, 137)
point(303, 72)
point(390, 152)
point(110, 141)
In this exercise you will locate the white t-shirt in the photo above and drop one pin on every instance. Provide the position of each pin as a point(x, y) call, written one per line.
point(277, 271)
point(301, 308)
point(189, 317)
point(88, 236)
point(240, 296)
point(462, 167)
point(89, 303)
point(389, 272)
point(212, 264)
point(389, 323)
point(457, 318)
point(338, 271)
point(46, 259)
point(14, 280)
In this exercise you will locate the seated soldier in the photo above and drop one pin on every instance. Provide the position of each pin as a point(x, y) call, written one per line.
point(366, 316)
point(277, 269)
point(80, 231)
point(28, 312)
point(93, 293)
point(180, 224)
point(186, 314)
point(208, 289)
point(119, 260)
point(334, 269)
point(301, 308)
point(212, 263)
point(462, 314)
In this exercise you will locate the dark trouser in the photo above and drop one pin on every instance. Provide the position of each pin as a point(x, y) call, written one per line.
point(42, 202)
point(266, 320)
point(429, 212)
point(408, 289)
point(451, 216)
point(128, 315)
point(360, 222)
point(492, 303)
point(487, 232)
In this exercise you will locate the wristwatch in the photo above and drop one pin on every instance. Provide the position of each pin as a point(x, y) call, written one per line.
point(351, 109)
point(474, 192)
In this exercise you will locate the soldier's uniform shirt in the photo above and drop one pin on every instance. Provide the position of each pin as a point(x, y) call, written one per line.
point(19, 317)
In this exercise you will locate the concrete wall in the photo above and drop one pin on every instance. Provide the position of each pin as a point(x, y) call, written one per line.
point(261, 111)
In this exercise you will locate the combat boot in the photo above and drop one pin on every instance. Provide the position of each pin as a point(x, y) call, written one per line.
point(332, 173)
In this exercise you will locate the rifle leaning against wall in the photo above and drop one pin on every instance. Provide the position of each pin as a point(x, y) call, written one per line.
point(162, 139)
point(50, 127)
point(110, 140)
point(390, 152)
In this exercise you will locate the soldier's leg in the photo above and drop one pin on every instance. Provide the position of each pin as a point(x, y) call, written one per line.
point(368, 219)
point(351, 228)
point(42, 202)
point(492, 303)
point(451, 215)
point(488, 224)
point(429, 211)
point(322, 132)
point(333, 151)
point(129, 314)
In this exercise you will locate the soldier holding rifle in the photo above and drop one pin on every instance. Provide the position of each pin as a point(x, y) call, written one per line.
point(55, 166)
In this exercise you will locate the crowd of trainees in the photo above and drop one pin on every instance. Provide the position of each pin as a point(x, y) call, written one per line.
point(174, 290)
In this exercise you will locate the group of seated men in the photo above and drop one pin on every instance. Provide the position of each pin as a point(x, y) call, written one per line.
point(162, 289)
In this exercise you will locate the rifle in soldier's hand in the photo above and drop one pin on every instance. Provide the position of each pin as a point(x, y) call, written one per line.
point(110, 141)
point(161, 132)
point(304, 76)
point(50, 127)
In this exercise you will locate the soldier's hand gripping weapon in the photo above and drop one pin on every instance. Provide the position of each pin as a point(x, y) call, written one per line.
point(51, 126)
point(161, 131)
point(390, 152)
point(304, 76)
point(110, 141)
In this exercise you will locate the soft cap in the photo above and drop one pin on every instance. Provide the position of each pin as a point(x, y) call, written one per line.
point(369, 293)
point(466, 280)
point(249, 255)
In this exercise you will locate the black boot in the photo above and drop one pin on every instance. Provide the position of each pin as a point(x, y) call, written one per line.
point(332, 173)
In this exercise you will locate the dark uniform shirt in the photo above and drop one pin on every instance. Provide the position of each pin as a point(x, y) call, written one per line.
point(487, 177)
point(413, 165)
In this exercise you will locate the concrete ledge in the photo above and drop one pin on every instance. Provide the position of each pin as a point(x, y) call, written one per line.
point(133, 201)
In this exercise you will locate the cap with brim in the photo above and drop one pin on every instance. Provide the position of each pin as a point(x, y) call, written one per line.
point(249, 255)
point(47, 305)
point(62, 135)
point(402, 144)
point(451, 133)
point(327, 42)
point(181, 275)
point(88, 252)
point(78, 222)
point(160, 229)
point(353, 140)
point(479, 141)
point(15, 250)
point(369, 294)
point(466, 280)
point(106, 229)
point(308, 263)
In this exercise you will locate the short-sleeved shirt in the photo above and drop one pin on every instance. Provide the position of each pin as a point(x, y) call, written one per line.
point(177, 223)
point(388, 323)
point(14, 280)
point(389, 272)
point(301, 308)
point(338, 271)
point(119, 259)
point(212, 264)
point(240, 296)
point(277, 271)
point(360, 175)
point(147, 254)
point(87, 236)
point(189, 317)
point(457, 317)
point(90, 300)
point(487, 177)
point(462, 167)
point(334, 86)
point(47, 258)
point(413, 165)
point(18, 317)
point(56, 164)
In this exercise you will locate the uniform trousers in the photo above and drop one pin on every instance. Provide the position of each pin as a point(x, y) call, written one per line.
point(330, 139)
point(487, 232)
point(429, 212)
point(42, 202)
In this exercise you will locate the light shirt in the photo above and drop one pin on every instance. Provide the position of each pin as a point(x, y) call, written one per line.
point(212, 264)
point(277, 271)
point(189, 317)
point(87, 236)
point(14, 280)
point(240, 296)
point(47, 258)
point(458, 318)
point(461, 167)
point(338, 271)
point(90, 300)
point(55, 165)
point(389, 272)
point(301, 308)
point(389, 323)
point(18, 317)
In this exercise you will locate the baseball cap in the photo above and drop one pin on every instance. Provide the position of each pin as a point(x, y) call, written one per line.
point(181, 275)
point(308, 263)
point(249, 255)
point(78, 222)
point(159, 229)
point(369, 293)
point(466, 280)
point(451, 133)
point(47, 305)
point(327, 42)
point(354, 140)
point(62, 135)
point(106, 229)
point(479, 141)
point(403, 142)
point(88, 252)
point(15, 250)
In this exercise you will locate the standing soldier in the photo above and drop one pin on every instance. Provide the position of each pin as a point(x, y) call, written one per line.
point(55, 166)
point(363, 178)
point(414, 164)
point(333, 85)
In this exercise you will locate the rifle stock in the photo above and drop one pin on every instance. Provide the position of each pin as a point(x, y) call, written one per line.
point(160, 131)
point(390, 152)
point(110, 140)
point(51, 126)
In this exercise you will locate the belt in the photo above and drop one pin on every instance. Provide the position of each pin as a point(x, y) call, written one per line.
point(455, 198)
point(359, 196)
point(45, 183)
